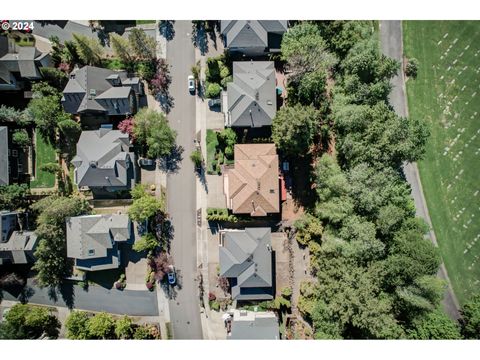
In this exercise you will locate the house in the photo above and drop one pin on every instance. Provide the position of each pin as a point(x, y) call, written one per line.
point(251, 325)
point(246, 260)
point(253, 37)
point(97, 91)
point(16, 246)
point(104, 161)
point(251, 97)
point(251, 186)
point(4, 152)
point(93, 240)
point(23, 63)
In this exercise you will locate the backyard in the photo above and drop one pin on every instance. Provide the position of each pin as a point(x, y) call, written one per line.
point(44, 153)
point(445, 95)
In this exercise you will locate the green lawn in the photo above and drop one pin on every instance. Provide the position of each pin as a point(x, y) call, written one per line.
point(141, 22)
point(45, 153)
point(212, 143)
point(446, 94)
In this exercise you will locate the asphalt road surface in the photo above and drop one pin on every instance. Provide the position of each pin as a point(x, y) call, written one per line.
point(97, 298)
point(392, 45)
point(181, 189)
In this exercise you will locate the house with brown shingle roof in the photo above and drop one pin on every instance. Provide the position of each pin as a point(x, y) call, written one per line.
point(252, 185)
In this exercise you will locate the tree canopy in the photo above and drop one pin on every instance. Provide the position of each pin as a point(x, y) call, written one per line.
point(471, 318)
point(25, 321)
point(89, 49)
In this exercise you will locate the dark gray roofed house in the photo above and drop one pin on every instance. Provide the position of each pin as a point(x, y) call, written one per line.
point(250, 325)
point(104, 161)
point(93, 90)
point(24, 63)
point(253, 37)
point(246, 260)
point(16, 246)
point(4, 175)
point(93, 240)
point(251, 96)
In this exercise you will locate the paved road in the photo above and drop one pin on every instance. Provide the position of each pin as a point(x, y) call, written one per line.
point(97, 298)
point(392, 45)
point(181, 189)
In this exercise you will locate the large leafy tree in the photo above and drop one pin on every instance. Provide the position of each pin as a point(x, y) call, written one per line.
point(434, 325)
point(29, 322)
point(76, 325)
point(124, 328)
point(471, 318)
point(294, 128)
point(89, 49)
point(101, 326)
point(14, 196)
point(145, 208)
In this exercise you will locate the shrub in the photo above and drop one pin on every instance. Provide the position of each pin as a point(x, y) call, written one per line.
point(287, 292)
point(20, 138)
point(211, 297)
point(226, 80)
point(214, 305)
point(196, 157)
point(213, 90)
point(147, 242)
point(412, 68)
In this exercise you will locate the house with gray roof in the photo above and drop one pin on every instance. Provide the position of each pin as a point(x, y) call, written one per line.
point(23, 63)
point(16, 246)
point(253, 37)
point(251, 325)
point(246, 260)
point(4, 172)
point(97, 91)
point(251, 97)
point(93, 240)
point(104, 161)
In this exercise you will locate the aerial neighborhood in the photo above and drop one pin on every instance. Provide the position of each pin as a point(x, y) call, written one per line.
point(268, 190)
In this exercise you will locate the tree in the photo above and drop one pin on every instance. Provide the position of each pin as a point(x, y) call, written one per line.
point(14, 196)
point(138, 191)
point(434, 325)
point(151, 129)
point(121, 48)
point(20, 138)
point(126, 127)
point(161, 79)
point(471, 318)
point(422, 296)
point(76, 325)
point(143, 46)
point(213, 90)
point(147, 242)
point(12, 115)
point(196, 71)
point(101, 326)
point(145, 208)
point(124, 328)
point(196, 157)
point(309, 228)
point(227, 139)
point(293, 129)
point(160, 265)
point(143, 333)
point(70, 128)
point(30, 322)
point(89, 49)
point(54, 77)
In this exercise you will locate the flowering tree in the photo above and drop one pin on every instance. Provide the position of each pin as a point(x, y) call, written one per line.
point(162, 79)
point(126, 127)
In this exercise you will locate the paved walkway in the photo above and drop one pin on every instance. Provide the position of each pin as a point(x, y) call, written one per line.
point(391, 40)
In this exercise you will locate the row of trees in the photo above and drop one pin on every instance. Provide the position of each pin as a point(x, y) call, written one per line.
point(29, 322)
point(376, 272)
point(81, 325)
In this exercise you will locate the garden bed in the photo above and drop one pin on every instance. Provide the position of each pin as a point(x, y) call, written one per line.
point(219, 150)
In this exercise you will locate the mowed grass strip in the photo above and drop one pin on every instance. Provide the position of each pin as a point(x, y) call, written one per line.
point(447, 95)
point(45, 153)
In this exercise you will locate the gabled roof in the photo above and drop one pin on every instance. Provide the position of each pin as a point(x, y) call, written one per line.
point(4, 178)
point(253, 184)
point(251, 33)
point(15, 246)
point(252, 100)
point(250, 325)
point(23, 60)
point(93, 238)
point(102, 159)
point(246, 256)
point(89, 84)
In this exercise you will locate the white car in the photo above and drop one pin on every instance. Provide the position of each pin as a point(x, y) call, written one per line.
point(191, 83)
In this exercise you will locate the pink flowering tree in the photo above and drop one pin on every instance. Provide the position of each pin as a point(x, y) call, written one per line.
point(126, 127)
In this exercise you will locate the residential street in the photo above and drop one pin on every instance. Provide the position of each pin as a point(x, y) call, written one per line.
point(181, 189)
point(392, 45)
point(97, 298)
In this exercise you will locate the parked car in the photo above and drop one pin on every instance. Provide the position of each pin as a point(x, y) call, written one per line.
point(145, 162)
point(172, 278)
point(191, 84)
point(214, 102)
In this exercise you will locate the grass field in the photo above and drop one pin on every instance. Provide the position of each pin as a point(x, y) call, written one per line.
point(45, 153)
point(447, 94)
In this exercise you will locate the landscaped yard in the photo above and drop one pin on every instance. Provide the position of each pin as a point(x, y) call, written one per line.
point(45, 153)
point(446, 94)
point(141, 22)
point(217, 144)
